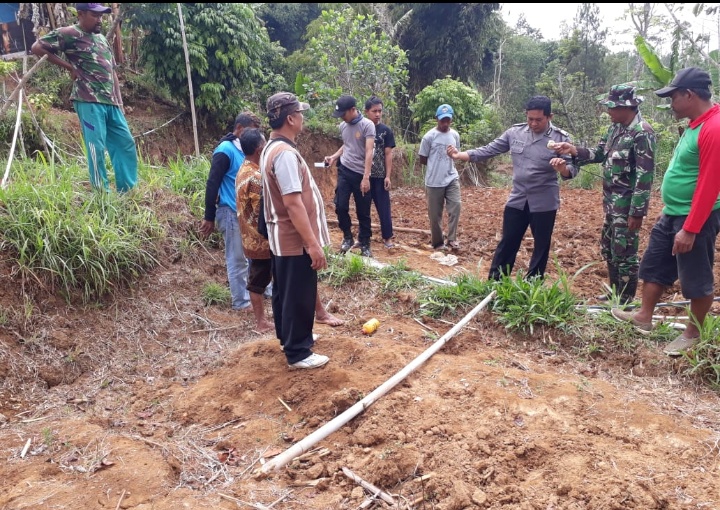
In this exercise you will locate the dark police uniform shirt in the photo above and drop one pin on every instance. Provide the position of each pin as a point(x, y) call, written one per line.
point(535, 181)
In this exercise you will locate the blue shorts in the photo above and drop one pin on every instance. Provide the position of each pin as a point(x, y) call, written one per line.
point(694, 268)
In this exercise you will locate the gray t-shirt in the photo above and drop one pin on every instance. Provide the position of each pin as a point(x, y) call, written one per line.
point(440, 167)
point(354, 136)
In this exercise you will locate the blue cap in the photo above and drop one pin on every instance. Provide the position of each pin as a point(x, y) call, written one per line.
point(444, 111)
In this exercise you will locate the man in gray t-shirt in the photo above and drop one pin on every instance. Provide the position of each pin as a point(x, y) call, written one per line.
point(442, 184)
point(354, 162)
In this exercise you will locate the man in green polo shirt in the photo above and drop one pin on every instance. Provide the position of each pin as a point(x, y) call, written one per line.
point(682, 242)
point(95, 94)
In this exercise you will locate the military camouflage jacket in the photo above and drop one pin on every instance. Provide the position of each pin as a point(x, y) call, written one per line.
point(628, 157)
point(92, 58)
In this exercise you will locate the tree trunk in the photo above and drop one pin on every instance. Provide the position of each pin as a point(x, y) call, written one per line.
point(115, 35)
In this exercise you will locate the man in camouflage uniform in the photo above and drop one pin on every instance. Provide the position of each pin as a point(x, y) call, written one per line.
point(627, 154)
point(95, 94)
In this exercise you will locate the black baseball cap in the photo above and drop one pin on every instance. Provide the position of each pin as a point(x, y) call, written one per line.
point(688, 78)
point(343, 104)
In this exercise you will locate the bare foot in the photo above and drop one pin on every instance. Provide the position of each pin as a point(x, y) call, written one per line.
point(264, 327)
point(329, 319)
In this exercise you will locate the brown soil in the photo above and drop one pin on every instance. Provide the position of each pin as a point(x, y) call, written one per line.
point(152, 401)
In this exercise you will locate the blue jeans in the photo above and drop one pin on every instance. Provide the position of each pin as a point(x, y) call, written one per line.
point(237, 264)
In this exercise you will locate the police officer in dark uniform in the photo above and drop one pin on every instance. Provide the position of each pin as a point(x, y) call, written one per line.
point(535, 195)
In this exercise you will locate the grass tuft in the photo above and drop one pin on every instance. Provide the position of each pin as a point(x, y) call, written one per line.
point(70, 239)
point(216, 294)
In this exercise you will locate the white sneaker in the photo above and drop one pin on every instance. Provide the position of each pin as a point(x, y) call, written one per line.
point(312, 361)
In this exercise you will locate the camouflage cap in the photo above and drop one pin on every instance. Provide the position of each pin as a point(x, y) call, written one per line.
point(622, 95)
point(284, 103)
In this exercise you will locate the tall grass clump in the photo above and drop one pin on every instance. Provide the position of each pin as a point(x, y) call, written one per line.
point(408, 170)
point(704, 358)
point(342, 269)
point(523, 303)
point(463, 295)
point(74, 240)
point(216, 294)
point(398, 276)
point(188, 178)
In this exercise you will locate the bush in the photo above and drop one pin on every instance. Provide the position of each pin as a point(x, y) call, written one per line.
point(476, 123)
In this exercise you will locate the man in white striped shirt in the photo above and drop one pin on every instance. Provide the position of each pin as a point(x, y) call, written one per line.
point(297, 231)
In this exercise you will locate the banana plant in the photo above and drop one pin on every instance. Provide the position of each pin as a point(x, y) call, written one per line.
point(662, 74)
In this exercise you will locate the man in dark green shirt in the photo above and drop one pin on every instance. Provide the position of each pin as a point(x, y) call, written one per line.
point(95, 94)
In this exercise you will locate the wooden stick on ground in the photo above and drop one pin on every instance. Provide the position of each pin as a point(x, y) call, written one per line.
point(26, 448)
point(375, 227)
point(368, 486)
point(117, 507)
point(284, 404)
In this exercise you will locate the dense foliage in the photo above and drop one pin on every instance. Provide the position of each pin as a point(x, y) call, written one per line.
point(351, 55)
point(226, 45)
point(476, 122)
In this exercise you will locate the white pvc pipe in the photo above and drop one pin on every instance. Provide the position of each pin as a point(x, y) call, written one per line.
point(380, 265)
point(14, 140)
point(308, 442)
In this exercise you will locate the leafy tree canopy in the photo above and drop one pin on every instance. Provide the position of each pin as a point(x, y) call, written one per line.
point(286, 23)
point(455, 39)
point(226, 46)
point(350, 55)
point(476, 122)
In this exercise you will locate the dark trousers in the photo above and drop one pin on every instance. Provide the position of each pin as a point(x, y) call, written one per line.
point(515, 224)
point(293, 304)
point(381, 197)
point(348, 183)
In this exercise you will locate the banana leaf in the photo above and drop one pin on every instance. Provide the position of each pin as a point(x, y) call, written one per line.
point(652, 61)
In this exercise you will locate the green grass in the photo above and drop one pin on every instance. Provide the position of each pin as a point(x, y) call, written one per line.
point(587, 178)
point(704, 359)
point(411, 177)
point(343, 269)
point(69, 238)
point(188, 178)
point(524, 303)
point(456, 299)
point(215, 294)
